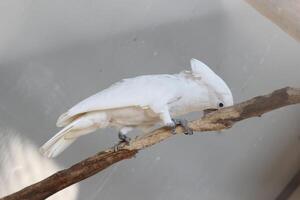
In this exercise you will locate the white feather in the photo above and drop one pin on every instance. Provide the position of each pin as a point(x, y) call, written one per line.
point(200, 69)
point(141, 91)
point(57, 143)
point(81, 126)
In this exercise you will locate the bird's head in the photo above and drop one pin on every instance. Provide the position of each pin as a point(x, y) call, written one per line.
point(219, 93)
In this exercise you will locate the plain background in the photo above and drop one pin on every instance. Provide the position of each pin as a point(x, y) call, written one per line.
point(55, 53)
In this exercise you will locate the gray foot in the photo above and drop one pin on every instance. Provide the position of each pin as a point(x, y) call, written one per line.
point(172, 126)
point(124, 138)
point(184, 124)
point(118, 146)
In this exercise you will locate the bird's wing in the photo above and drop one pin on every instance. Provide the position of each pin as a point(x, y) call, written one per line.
point(151, 91)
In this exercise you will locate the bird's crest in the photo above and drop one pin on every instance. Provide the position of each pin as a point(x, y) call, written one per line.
point(199, 69)
point(208, 76)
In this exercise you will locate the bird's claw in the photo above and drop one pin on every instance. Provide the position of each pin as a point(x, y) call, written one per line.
point(124, 140)
point(172, 126)
point(119, 146)
point(184, 124)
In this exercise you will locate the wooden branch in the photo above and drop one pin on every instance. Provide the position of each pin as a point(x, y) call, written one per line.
point(218, 120)
point(290, 188)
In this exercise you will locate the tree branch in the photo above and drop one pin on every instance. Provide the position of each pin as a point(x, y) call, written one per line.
point(218, 120)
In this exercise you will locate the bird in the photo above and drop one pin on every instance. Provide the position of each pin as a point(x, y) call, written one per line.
point(142, 102)
point(21, 165)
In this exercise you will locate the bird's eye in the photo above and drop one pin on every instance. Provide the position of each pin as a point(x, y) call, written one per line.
point(221, 105)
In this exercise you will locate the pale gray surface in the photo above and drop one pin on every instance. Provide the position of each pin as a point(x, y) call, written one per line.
point(55, 53)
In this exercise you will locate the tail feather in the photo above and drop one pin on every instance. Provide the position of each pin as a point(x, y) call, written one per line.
point(66, 119)
point(81, 126)
point(57, 147)
point(63, 140)
point(57, 143)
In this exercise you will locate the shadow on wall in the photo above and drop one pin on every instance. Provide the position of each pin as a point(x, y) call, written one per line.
point(21, 165)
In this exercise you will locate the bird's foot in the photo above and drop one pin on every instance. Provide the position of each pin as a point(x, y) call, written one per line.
point(184, 124)
point(124, 140)
point(172, 126)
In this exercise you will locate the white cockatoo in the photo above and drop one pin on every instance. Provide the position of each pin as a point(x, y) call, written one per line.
point(142, 102)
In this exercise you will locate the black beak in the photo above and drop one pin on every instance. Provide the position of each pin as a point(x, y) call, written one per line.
point(210, 110)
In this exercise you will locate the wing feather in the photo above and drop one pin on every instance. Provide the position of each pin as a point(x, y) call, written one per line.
point(142, 91)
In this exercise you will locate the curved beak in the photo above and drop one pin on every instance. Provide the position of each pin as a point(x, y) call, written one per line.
point(210, 110)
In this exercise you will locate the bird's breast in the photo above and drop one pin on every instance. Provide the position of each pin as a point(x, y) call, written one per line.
point(133, 116)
